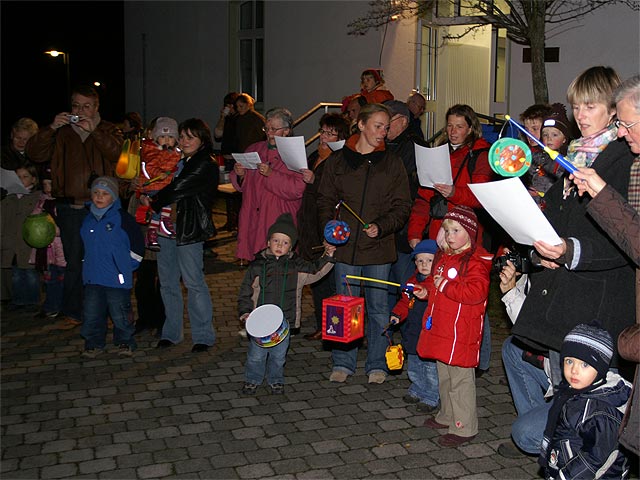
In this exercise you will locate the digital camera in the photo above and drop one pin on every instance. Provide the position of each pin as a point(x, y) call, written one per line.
point(74, 118)
point(522, 262)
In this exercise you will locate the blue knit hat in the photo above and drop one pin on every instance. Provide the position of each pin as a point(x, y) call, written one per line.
point(109, 184)
point(425, 246)
point(591, 344)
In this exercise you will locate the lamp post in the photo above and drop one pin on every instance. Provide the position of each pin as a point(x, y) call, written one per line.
point(67, 61)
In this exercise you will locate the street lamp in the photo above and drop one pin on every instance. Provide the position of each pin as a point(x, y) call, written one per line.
point(67, 61)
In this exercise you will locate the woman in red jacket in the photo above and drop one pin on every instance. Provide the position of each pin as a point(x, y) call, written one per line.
point(469, 164)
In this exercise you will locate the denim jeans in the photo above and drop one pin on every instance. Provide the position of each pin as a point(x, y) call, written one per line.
point(528, 385)
point(401, 271)
point(266, 362)
point(485, 345)
point(25, 288)
point(100, 301)
point(377, 317)
point(424, 379)
point(69, 221)
point(54, 284)
point(184, 261)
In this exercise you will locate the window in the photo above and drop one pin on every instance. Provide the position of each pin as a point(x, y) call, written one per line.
point(251, 35)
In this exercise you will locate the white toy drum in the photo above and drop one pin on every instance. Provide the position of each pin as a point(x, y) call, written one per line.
point(267, 326)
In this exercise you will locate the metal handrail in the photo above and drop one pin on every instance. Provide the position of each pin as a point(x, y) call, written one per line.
point(494, 120)
point(308, 113)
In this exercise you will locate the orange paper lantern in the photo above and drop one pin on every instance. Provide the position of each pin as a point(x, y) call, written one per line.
point(342, 318)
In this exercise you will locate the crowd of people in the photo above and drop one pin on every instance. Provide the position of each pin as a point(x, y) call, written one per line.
point(574, 339)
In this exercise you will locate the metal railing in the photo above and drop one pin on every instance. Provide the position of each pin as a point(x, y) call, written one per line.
point(489, 118)
point(311, 111)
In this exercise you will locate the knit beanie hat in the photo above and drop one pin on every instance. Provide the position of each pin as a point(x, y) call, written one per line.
point(558, 119)
point(284, 224)
point(109, 184)
point(591, 344)
point(466, 217)
point(425, 246)
point(165, 126)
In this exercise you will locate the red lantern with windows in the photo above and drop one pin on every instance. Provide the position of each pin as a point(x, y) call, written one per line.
point(342, 318)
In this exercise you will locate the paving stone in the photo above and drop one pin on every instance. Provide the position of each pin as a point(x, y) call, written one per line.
point(158, 470)
point(95, 466)
point(448, 470)
point(258, 470)
point(65, 470)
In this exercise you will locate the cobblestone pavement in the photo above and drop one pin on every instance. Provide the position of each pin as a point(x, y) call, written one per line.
point(177, 414)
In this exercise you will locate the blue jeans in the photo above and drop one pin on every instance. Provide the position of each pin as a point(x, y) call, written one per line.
point(25, 289)
point(54, 284)
point(377, 317)
point(424, 379)
point(485, 345)
point(100, 301)
point(69, 221)
point(528, 385)
point(184, 261)
point(266, 361)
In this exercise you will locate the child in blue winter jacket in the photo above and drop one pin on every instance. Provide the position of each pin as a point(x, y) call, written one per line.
point(581, 436)
point(422, 373)
point(113, 249)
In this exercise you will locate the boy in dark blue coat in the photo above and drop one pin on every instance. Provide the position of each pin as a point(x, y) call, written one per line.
point(113, 249)
point(581, 436)
point(423, 374)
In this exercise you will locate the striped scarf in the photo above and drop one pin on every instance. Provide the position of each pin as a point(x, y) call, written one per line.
point(583, 151)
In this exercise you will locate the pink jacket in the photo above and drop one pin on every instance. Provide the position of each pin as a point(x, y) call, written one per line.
point(55, 252)
point(264, 199)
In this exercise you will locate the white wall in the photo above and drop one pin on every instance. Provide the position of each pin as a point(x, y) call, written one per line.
point(186, 59)
point(610, 36)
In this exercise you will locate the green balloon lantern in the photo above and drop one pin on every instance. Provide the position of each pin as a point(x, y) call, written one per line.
point(39, 230)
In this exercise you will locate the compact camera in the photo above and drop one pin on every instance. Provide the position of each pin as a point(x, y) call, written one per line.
point(74, 118)
point(522, 262)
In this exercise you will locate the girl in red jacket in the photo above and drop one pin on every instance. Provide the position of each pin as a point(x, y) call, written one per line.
point(452, 328)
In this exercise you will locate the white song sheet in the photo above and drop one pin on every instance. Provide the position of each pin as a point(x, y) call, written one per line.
point(248, 160)
point(510, 204)
point(433, 165)
point(335, 146)
point(10, 181)
point(293, 152)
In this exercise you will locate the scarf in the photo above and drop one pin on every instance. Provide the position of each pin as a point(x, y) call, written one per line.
point(82, 133)
point(99, 212)
point(634, 185)
point(583, 151)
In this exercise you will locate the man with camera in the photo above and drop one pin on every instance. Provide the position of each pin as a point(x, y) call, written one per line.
point(81, 147)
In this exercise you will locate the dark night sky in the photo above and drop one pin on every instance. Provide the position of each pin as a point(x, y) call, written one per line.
point(34, 84)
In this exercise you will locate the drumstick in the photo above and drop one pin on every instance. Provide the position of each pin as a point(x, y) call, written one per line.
point(555, 156)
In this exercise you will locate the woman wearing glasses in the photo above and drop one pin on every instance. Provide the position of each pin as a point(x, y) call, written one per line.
point(333, 128)
point(267, 192)
point(586, 276)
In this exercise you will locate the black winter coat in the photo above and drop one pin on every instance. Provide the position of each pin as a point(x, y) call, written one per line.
point(601, 286)
point(194, 191)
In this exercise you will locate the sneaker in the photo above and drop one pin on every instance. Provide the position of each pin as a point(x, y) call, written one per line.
point(277, 389)
point(167, 228)
point(243, 333)
point(338, 376)
point(151, 240)
point(408, 398)
point(92, 352)
point(125, 350)
point(426, 408)
point(377, 377)
point(250, 389)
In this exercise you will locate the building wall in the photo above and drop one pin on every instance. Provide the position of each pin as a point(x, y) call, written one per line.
point(309, 58)
point(610, 36)
point(184, 59)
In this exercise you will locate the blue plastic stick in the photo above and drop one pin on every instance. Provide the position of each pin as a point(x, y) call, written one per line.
point(555, 156)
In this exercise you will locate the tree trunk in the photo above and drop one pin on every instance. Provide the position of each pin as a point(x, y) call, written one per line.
point(536, 36)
